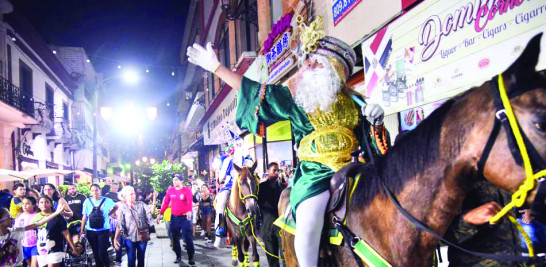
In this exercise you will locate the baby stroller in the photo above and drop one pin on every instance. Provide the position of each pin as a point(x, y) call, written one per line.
point(84, 259)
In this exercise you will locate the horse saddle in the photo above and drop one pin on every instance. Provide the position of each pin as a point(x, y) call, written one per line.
point(340, 185)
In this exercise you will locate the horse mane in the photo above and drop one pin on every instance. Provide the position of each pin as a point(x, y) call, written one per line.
point(412, 153)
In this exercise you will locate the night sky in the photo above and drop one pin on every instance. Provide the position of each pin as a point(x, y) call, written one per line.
point(143, 34)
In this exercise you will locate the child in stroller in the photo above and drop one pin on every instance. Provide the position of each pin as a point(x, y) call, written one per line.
point(81, 247)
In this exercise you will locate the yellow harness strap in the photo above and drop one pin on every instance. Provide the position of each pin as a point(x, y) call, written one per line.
point(518, 198)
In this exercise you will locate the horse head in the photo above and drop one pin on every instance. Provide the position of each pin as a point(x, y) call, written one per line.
point(504, 162)
point(247, 184)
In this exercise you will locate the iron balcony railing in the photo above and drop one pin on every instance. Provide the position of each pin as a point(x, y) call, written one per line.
point(13, 96)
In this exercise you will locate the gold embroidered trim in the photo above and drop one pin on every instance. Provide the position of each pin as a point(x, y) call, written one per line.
point(332, 147)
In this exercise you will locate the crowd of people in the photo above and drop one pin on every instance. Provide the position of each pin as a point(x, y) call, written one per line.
point(109, 216)
point(316, 101)
point(29, 219)
point(30, 224)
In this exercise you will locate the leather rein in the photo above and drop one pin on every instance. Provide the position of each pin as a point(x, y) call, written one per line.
point(525, 154)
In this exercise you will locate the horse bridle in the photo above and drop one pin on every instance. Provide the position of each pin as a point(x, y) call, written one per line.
point(523, 154)
point(242, 223)
point(521, 148)
point(526, 154)
point(247, 196)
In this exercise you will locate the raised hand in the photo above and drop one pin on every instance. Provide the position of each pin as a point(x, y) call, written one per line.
point(205, 58)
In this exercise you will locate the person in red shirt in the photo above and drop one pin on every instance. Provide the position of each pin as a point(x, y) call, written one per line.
point(181, 199)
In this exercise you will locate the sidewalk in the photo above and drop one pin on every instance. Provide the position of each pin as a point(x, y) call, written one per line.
point(160, 254)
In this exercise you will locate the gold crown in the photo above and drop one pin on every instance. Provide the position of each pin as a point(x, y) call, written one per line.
point(310, 34)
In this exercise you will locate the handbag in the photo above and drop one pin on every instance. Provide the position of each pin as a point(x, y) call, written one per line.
point(143, 235)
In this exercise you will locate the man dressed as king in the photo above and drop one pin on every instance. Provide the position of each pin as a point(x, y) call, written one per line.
point(325, 120)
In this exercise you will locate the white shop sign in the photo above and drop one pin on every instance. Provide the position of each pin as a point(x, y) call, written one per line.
point(441, 48)
point(224, 116)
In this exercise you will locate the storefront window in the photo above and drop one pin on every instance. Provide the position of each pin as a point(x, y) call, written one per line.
point(279, 142)
point(246, 31)
point(223, 52)
point(276, 11)
point(259, 158)
point(279, 131)
point(209, 87)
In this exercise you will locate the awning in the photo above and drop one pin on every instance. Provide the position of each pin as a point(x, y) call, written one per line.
point(190, 155)
point(9, 175)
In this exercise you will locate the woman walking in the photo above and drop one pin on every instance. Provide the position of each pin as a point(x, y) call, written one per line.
point(96, 210)
point(50, 191)
point(205, 210)
point(134, 220)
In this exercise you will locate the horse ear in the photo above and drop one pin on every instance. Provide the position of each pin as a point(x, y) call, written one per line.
point(237, 168)
point(526, 63)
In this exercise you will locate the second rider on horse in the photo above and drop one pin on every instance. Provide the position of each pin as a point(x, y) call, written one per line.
point(325, 122)
point(227, 175)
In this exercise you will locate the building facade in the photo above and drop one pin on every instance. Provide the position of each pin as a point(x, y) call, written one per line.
point(392, 40)
point(40, 100)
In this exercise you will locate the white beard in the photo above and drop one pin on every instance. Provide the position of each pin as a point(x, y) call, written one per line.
point(318, 88)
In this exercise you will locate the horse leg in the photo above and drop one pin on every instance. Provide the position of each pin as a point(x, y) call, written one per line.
point(246, 245)
point(240, 253)
point(289, 252)
point(255, 256)
point(287, 240)
point(234, 255)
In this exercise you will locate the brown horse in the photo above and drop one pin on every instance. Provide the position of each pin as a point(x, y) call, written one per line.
point(433, 167)
point(243, 205)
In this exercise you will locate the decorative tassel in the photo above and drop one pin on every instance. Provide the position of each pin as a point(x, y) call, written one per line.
point(380, 141)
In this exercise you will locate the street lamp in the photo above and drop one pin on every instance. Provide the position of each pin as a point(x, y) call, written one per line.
point(128, 76)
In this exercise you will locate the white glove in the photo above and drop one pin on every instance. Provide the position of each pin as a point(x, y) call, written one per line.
point(374, 113)
point(205, 58)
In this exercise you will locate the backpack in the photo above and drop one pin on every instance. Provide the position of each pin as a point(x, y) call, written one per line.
point(96, 218)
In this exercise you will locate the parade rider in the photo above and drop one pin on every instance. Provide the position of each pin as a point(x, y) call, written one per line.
point(325, 121)
point(226, 178)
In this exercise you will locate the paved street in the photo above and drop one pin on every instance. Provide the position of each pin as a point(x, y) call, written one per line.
point(160, 254)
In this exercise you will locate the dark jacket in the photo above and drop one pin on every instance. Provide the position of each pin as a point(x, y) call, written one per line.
point(500, 238)
point(269, 195)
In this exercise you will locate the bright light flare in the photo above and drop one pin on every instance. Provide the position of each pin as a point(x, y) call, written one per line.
point(152, 113)
point(128, 119)
point(130, 76)
point(106, 113)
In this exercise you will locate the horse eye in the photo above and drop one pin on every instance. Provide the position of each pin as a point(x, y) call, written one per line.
point(541, 126)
